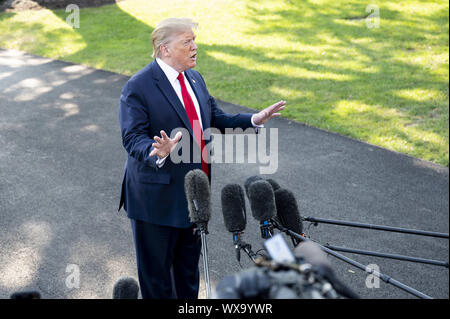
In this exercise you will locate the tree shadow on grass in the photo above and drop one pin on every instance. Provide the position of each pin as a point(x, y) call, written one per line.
point(6, 15)
point(372, 85)
point(111, 32)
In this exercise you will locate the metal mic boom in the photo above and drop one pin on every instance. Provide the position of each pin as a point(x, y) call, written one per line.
point(375, 227)
point(350, 261)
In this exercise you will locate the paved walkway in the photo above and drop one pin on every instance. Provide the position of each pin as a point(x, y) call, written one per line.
point(61, 163)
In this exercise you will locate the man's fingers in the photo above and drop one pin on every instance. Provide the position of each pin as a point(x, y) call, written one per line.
point(164, 135)
point(175, 141)
point(276, 110)
point(280, 103)
point(277, 106)
point(161, 144)
point(177, 137)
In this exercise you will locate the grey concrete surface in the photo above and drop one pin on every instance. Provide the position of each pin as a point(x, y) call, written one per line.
point(61, 162)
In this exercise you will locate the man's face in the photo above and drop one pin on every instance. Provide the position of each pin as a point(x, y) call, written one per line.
point(182, 51)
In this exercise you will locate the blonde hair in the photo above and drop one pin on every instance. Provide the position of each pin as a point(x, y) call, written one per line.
point(167, 28)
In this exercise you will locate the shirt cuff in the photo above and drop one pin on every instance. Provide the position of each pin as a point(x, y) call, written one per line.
point(253, 123)
point(160, 161)
point(256, 127)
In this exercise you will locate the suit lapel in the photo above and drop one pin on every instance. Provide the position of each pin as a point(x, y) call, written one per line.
point(201, 100)
point(166, 88)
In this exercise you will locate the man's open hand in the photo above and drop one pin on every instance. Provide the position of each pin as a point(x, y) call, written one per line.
point(164, 144)
point(269, 112)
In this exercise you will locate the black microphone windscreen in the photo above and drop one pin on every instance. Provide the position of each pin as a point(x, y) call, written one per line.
point(249, 181)
point(198, 195)
point(262, 200)
point(312, 254)
point(274, 184)
point(126, 288)
point(26, 295)
point(233, 208)
point(287, 210)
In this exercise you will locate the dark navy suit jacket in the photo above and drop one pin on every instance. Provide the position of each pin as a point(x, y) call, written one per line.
point(149, 104)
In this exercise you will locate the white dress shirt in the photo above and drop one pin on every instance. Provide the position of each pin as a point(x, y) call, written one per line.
point(172, 76)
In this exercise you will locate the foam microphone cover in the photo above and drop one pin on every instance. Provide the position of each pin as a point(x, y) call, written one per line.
point(274, 184)
point(287, 210)
point(262, 200)
point(249, 181)
point(126, 288)
point(197, 188)
point(233, 208)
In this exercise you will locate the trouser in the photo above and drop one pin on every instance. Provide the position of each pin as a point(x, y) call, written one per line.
point(167, 260)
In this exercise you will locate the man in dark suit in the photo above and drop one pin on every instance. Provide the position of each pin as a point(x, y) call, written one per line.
point(165, 95)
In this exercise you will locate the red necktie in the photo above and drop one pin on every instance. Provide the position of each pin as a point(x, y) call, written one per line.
point(193, 119)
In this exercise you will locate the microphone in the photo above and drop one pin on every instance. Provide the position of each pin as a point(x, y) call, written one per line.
point(262, 202)
point(249, 181)
point(234, 213)
point(311, 253)
point(255, 178)
point(233, 208)
point(235, 217)
point(274, 184)
point(126, 288)
point(198, 195)
point(26, 295)
point(287, 212)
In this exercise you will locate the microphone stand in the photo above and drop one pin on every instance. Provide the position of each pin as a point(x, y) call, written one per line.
point(316, 221)
point(266, 229)
point(391, 256)
point(203, 230)
point(239, 244)
point(248, 249)
point(350, 261)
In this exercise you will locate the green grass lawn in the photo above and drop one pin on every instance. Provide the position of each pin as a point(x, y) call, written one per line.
point(387, 86)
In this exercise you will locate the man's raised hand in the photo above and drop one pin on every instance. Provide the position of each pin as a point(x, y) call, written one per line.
point(164, 145)
point(272, 111)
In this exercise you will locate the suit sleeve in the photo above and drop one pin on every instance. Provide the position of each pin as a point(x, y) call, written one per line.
point(222, 120)
point(135, 126)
